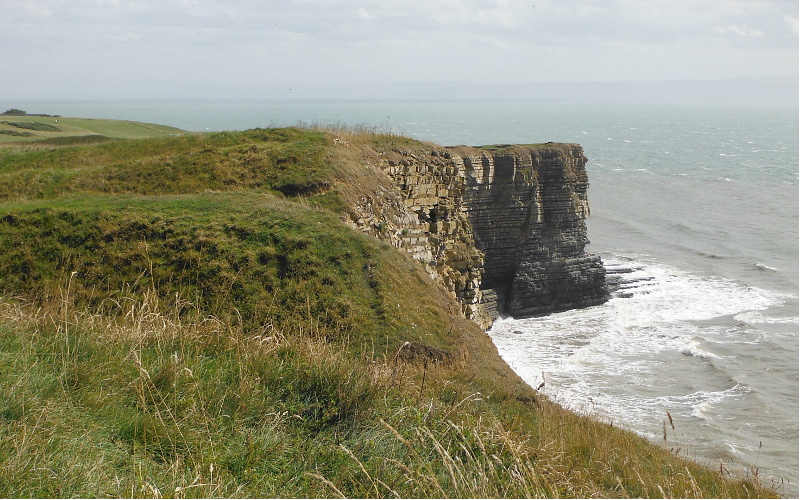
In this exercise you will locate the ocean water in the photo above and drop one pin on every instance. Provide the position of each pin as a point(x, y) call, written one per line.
point(695, 214)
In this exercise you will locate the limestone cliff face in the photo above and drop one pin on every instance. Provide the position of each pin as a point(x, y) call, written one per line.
point(527, 208)
point(502, 228)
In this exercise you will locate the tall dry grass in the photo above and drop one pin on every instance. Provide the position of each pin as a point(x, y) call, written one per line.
point(153, 400)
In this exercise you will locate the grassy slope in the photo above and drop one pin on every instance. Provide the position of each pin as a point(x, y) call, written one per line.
point(65, 130)
point(187, 316)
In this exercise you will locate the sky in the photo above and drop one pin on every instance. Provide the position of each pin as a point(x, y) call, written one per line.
point(168, 49)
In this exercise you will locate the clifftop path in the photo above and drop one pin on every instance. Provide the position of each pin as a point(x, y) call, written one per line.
point(502, 227)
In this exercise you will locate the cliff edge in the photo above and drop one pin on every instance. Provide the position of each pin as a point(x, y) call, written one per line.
point(501, 227)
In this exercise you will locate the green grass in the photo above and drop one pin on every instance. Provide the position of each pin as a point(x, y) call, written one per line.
point(158, 401)
point(53, 127)
point(189, 316)
point(281, 160)
point(264, 256)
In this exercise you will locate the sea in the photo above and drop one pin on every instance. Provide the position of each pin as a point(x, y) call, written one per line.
point(694, 211)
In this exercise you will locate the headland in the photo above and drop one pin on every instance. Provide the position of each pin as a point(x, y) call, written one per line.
point(297, 313)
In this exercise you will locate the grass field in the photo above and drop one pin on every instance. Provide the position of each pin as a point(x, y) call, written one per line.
point(188, 316)
point(65, 130)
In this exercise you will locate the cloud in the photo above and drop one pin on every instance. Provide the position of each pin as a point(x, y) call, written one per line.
point(140, 46)
point(740, 31)
point(792, 23)
point(363, 13)
point(539, 22)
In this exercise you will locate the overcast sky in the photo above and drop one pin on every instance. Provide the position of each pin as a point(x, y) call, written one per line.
point(56, 49)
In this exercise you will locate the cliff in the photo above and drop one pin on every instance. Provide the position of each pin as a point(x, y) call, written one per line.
point(501, 227)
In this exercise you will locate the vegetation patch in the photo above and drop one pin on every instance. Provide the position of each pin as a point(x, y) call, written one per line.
point(255, 254)
point(15, 133)
point(75, 140)
point(43, 127)
point(279, 161)
point(14, 112)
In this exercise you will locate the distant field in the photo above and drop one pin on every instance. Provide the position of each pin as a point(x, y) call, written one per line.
point(15, 129)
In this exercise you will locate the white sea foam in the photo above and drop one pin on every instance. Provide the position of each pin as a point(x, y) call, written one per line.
point(758, 317)
point(765, 267)
point(693, 348)
point(698, 404)
point(676, 295)
point(641, 354)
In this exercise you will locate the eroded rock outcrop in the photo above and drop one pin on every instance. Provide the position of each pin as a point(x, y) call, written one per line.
point(502, 228)
point(527, 207)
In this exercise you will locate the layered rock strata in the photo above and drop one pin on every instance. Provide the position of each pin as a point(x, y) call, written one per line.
point(501, 228)
point(527, 208)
